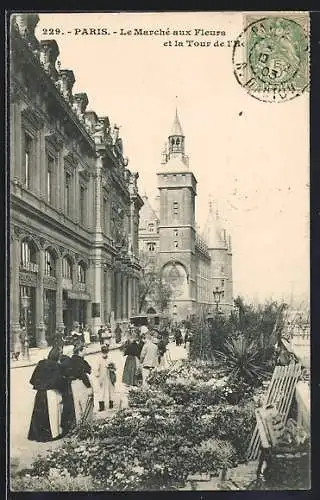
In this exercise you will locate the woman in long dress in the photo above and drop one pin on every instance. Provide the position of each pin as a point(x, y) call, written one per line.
point(132, 363)
point(68, 417)
point(78, 370)
point(48, 381)
point(105, 373)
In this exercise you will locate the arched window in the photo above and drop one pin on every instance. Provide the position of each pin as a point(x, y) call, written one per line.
point(174, 274)
point(28, 257)
point(172, 141)
point(66, 268)
point(81, 273)
point(50, 263)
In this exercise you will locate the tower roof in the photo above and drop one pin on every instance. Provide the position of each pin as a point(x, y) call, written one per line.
point(147, 214)
point(176, 127)
point(214, 233)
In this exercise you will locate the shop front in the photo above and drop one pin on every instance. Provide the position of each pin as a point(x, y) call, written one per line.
point(27, 316)
point(77, 308)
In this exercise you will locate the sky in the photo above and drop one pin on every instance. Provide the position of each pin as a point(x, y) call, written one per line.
point(250, 157)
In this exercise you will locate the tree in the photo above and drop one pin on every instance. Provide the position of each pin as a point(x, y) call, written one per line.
point(151, 285)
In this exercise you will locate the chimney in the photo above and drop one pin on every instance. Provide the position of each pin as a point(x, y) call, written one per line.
point(80, 103)
point(49, 52)
point(66, 79)
point(26, 24)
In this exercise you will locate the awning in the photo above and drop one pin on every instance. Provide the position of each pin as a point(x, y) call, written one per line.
point(78, 295)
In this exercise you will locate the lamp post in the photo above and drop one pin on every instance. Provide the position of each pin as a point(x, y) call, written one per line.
point(216, 297)
point(175, 313)
point(25, 303)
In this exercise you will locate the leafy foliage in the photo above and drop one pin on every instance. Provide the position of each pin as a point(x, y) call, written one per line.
point(151, 285)
point(243, 360)
point(244, 341)
point(182, 423)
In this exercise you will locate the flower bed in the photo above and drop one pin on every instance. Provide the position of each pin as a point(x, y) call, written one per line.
point(184, 422)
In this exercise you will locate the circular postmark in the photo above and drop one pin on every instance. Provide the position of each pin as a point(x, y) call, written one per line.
point(271, 58)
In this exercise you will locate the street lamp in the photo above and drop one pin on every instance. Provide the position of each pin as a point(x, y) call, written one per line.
point(216, 297)
point(25, 303)
point(175, 312)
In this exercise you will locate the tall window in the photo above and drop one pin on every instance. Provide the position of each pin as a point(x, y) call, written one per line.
point(82, 204)
point(151, 247)
point(67, 193)
point(151, 227)
point(176, 232)
point(28, 257)
point(50, 264)
point(66, 269)
point(175, 208)
point(176, 244)
point(28, 147)
point(50, 174)
point(222, 283)
point(81, 273)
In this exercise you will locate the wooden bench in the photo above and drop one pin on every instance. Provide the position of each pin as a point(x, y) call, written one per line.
point(271, 425)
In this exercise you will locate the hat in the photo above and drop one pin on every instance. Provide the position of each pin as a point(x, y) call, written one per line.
point(104, 349)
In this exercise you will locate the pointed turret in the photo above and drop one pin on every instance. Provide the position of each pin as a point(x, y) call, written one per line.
point(176, 129)
point(173, 155)
point(214, 233)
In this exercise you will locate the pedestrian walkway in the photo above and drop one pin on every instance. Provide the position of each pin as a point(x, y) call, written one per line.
point(37, 354)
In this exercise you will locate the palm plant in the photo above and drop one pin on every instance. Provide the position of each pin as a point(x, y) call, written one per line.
point(243, 359)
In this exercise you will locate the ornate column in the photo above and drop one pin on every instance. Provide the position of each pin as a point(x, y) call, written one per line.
point(14, 289)
point(118, 295)
point(129, 298)
point(41, 329)
point(97, 284)
point(98, 195)
point(135, 295)
point(108, 292)
point(59, 298)
point(124, 296)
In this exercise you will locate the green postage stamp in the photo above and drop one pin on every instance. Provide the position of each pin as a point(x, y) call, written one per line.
point(271, 56)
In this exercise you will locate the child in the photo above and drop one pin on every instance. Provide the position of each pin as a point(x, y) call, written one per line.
point(106, 374)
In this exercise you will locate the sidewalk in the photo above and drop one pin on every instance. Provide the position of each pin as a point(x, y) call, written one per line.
point(37, 354)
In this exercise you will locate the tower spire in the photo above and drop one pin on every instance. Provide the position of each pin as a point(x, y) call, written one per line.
point(176, 130)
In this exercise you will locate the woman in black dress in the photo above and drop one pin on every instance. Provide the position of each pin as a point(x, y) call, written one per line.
point(132, 351)
point(48, 381)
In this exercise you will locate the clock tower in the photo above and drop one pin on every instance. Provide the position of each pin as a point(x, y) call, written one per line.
point(177, 231)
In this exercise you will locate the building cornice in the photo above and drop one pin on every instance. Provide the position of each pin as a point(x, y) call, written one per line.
point(50, 89)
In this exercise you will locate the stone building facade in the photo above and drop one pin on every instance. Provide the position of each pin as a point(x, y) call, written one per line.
point(194, 265)
point(74, 211)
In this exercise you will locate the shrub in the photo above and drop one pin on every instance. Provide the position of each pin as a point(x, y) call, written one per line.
point(243, 359)
point(55, 481)
point(175, 426)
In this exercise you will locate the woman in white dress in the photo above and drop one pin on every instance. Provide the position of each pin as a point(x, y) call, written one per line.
point(79, 371)
point(106, 378)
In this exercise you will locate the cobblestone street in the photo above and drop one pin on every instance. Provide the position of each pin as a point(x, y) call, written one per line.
point(22, 397)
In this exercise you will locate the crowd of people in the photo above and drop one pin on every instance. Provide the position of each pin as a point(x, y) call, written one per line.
point(66, 385)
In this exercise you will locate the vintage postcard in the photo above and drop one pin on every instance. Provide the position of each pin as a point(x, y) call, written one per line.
point(159, 251)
